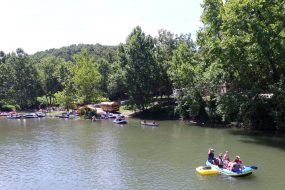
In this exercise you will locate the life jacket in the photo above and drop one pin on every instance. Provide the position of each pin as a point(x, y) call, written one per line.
point(210, 157)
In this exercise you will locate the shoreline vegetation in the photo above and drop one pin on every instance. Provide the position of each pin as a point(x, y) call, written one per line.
point(232, 75)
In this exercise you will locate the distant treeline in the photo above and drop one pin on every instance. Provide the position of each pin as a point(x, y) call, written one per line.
point(233, 73)
point(96, 51)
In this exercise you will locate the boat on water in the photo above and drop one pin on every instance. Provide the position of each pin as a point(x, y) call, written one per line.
point(149, 124)
point(4, 113)
point(244, 171)
point(13, 116)
point(206, 170)
point(31, 115)
point(64, 116)
point(40, 114)
point(120, 121)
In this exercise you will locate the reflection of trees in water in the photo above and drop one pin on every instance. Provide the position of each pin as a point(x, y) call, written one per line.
point(254, 137)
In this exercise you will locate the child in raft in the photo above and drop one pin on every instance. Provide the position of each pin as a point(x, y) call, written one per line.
point(236, 165)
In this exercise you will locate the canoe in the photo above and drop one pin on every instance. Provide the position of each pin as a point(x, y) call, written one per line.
point(244, 172)
point(120, 121)
point(149, 124)
point(206, 170)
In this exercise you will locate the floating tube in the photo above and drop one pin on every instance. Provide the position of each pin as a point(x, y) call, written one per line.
point(150, 124)
point(120, 121)
point(206, 170)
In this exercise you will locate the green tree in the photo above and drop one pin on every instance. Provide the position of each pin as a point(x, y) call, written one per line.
point(104, 70)
point(24, 79)
point(86, 77)
point(165, 45)
point(242, 46)
point(48, 69)
point(140, 68)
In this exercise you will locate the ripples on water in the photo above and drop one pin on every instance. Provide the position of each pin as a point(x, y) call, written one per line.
point(73, 154)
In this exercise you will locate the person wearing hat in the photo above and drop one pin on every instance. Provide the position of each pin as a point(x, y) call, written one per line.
point(238, 160)
point(211, 157)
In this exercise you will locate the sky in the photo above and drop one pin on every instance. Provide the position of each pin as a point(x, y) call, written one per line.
point(38, 25)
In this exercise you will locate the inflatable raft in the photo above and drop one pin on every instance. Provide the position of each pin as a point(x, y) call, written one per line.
point(120, 121)
point(206, 170)
point(149, 124)
point(246, 170)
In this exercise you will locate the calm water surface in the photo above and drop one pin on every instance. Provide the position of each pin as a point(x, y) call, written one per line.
point(76, 154)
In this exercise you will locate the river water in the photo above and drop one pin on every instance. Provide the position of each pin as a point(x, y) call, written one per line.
point(53, 153)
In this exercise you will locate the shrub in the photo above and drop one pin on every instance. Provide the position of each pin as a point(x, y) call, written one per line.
point(8, 108)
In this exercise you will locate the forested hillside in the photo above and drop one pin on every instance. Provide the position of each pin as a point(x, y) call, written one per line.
point(97, 51)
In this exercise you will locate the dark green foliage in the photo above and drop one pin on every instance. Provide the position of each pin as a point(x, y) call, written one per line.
point(20, 82)
point(8, 107)
point(242, 46)
point(138, 67)
point(104, 69)
point(49, 70)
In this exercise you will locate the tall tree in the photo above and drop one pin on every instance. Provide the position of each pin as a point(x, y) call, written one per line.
point(104, 70)
point(165, 45)
point(24, 79)
point(140, 67)
point(86, 77)
point(48, 69)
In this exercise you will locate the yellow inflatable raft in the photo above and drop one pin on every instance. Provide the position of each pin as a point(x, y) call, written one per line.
point(206, 170)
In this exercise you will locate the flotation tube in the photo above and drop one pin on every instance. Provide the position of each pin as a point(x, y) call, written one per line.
point(64, 116)
point(149, 124)
point(13, 116)
point(244, 172)
point(206, 170)
point(120, 121)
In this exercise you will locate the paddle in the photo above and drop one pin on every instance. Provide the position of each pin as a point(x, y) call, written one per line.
point(254, 167)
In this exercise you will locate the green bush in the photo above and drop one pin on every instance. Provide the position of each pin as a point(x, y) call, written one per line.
point(8, 108)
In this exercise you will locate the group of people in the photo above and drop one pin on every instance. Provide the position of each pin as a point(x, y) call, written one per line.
point(223, 161)
point(120, 118)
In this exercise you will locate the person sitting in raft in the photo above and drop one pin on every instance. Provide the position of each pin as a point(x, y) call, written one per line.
point(226, 159)
point(93, 118)
point(211, 157)
point(236, 167)
point(119, 118)
point(226, 156)
point(153, 122)
point(238, 160)
point(220, 161)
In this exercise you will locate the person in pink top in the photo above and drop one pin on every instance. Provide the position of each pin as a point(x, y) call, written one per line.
point(226, 159)
point(226, 156)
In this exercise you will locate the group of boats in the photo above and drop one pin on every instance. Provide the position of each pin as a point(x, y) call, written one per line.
point(119, 118)
point(15, 115)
